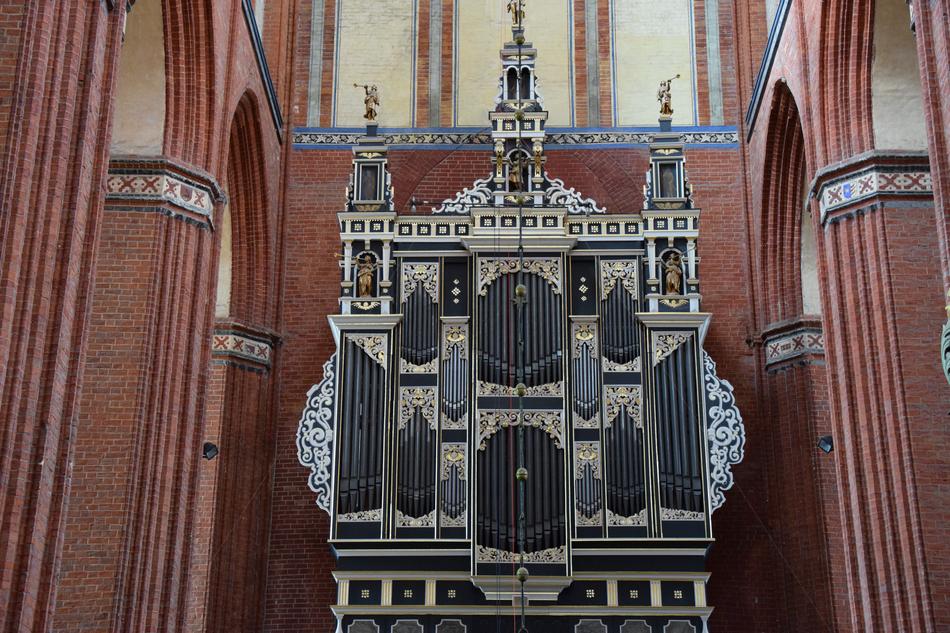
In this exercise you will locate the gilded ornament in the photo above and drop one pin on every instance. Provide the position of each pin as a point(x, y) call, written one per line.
point(375, 345)
point(665, 96)
point(370, 101)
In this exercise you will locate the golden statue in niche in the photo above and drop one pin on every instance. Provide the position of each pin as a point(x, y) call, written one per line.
point(665, 96)
point(371, 101)
point(365, 274)
point(674, 273)
point(516, 9)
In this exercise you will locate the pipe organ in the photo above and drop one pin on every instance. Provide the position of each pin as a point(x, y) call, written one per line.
point(520, 325)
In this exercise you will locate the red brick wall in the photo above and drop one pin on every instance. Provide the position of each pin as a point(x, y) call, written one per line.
point(57, 68)
point(299, 583)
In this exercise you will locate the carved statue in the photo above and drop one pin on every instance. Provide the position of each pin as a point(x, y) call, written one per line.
point(514, 173)
point(537, 159)
point(499, 159)
point(371, 101)
point(516, 9)
point(665, 96)
point(674, 274)
point(365, 273)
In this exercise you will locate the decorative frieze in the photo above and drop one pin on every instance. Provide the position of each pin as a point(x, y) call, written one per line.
point(794, 344)
point(491, 555)
point(225, 343)
point(162, 183)
point(322, 138)
point(873, 181)
point(554, 389)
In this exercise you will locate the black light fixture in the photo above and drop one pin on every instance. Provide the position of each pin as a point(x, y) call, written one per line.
point(209, 451)
point(826, 444)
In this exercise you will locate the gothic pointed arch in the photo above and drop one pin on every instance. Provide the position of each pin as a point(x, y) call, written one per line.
point(239, 411)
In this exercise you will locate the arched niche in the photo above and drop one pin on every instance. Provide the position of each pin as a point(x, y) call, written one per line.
point(898, 109)
point(139, 122)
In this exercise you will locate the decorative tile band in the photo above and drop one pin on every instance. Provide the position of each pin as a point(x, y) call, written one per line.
point(160, 187)
point(330, 138)
point(226, 343)
point(871, 182)
point(789, 345)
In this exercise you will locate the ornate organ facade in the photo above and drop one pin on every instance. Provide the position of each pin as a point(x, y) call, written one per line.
point(520, 326)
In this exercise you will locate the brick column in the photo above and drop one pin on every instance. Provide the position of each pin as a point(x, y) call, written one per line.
point(57, 75)
point(138, 445)
point(230, 539)
point(888, 398)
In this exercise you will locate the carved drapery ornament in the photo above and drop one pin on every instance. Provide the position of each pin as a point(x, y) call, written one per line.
point(412, 399)
point(490, 269)
point(425, 274)
point(624, 272)
point(620, 397)
point(490, 422)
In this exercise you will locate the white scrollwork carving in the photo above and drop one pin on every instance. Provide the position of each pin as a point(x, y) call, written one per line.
point(425, 274)
point(554, 389)
point(559, 195)
point(637, 520)
point(725, 433)
point(611, 366)
point(453, 522)
point(490, 269)
point(315, 435)
point(672, 514)
point(413, 398)
point(408, 368)
point(492, 555)
point(583, 520)
point(375, 345)
point(479, 195)
point(364, 516)
point(403, 520)
point(612, 271)
point(619, 397)
point(490, 422)
point(665, 343)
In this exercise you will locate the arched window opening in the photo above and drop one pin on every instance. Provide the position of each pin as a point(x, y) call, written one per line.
point(895, 80)
point(811, 290)
point(512, 92)
point(525, 83)
point(222, 305)
point(139, 123)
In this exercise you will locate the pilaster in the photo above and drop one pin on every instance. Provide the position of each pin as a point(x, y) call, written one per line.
point(58, 72)
point(141, 421)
